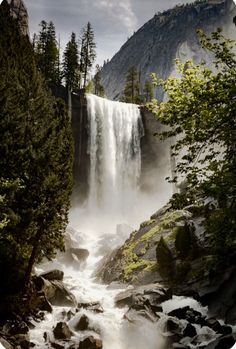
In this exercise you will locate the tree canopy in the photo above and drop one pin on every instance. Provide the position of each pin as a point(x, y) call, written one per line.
point(131, 93)
point(35, 159)
point(71, 72)
point(200, 113)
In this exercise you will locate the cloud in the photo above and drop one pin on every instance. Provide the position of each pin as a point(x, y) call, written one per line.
point(119, 12)
point(112, 20)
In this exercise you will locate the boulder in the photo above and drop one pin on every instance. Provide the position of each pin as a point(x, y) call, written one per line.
point(55, 292)
point(82, 324)
point(90, 343)
point(174, 326)
point(152, 294)
point(190, 331)
point(15, 327)
point(53, 275)
point(133, 315)
point(62, 331)
point(96, 307)
point(191, 315)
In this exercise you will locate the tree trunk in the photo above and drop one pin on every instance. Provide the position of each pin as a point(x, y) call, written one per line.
point(31, 260)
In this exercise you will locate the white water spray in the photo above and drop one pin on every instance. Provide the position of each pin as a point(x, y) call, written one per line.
point(114, 197)
point(115, 156)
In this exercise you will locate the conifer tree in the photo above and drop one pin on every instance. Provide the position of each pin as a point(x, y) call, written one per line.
point(35, 161)
point(131, 92)
point(47, 52)
point(71, 72)
point(148, 91)
point(98, 87)
point(88, 54)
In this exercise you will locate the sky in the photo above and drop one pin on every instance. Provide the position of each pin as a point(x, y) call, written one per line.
point(113, 21)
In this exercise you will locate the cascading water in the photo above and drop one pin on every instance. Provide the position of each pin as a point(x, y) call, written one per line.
point(115, 156)
point(115, 165)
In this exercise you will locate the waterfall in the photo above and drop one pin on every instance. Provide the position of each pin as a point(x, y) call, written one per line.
point(115, 130)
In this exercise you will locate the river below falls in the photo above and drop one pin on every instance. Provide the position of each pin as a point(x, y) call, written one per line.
point(110, 326)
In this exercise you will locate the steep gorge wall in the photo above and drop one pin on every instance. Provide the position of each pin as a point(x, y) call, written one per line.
point(168, 35)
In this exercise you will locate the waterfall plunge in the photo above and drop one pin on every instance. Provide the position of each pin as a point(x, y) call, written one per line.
point(115, 156)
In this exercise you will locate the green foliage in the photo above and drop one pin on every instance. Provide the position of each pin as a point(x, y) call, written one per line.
point(47, 52)
point(70, 64)
point(35, 159)
point(88, 53)
point(165, 259)
point(97, 82)
point(185, 241)
point(200, 113)
point(131, 92)
point(148, 91)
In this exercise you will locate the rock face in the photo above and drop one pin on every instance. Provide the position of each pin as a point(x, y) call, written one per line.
point(19, 11)
point(189, 271)
point(168, 35)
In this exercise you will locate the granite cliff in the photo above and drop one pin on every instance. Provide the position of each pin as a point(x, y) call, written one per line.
point(167, 36)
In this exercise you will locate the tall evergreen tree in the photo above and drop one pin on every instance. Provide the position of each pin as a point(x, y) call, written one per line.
point(47, 52)
point(88, 54)
point(148, 91)
point(71, 72)
point(35, 161)
point(97, 81)
point(131, 92)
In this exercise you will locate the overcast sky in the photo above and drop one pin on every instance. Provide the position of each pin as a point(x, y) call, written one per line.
point(113, 21)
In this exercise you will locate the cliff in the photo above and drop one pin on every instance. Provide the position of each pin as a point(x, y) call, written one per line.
point(167, 36)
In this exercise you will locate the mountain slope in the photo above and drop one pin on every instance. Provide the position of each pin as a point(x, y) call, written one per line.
point(169, 35)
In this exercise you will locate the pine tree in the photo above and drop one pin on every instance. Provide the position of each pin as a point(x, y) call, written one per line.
point(35, 161)
point(148, 91)
point(71, 72)
point(131, 92)
point(47, 52)
point(88, 54)
point(98, 87)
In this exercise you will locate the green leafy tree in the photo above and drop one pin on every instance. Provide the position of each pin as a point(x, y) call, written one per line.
point(200, 112)
point(97, 81)
point(35, 159)
point(87, 53)
point(70, 64)
point(131, 92)
point(47, 52)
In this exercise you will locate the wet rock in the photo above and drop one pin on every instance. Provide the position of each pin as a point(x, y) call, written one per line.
point(133, 315)
point(90, 343)
point(70, 314)
point(96, 307)
point(44, 304)
point(24, 341)
point(16, 327)
point(152, 294)
point(82, 324)
point(191, 315)
point(5, 343)
point(62, 331)
point(174, 326)
point(190, 331)
point(221, 343)
point(55, 292)
point(53, 275)
point(57, 345)
point(179, 346)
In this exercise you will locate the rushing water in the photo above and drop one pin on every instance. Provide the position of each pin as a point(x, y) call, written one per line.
point(115, 165)
point(114, 203)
